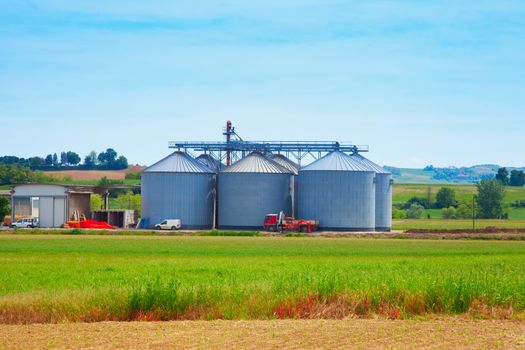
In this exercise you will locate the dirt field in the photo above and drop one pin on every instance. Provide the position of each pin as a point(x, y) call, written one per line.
point(96, 174)
point(447, 333)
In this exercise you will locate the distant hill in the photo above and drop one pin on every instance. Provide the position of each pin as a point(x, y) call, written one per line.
point(434, 175)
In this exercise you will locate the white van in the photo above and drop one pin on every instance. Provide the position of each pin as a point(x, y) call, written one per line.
point(169, 224)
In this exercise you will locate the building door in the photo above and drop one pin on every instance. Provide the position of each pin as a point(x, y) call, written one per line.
point(59, 217)
point(46, 212)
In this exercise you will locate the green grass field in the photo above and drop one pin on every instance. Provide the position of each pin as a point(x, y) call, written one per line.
point(402, 193)
point(51, 278)
point(514, 213)
point(442, 224)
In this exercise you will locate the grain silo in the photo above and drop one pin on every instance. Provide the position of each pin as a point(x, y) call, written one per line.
point(383, 193)
point(286, 163)
point(339, 192)
point(210, 162)
point(251, 188)
point(178, 187)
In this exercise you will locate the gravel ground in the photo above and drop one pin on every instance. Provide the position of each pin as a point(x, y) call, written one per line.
point(443, 333)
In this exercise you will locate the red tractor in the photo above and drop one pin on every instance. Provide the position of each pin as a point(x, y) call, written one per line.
point(271, 223)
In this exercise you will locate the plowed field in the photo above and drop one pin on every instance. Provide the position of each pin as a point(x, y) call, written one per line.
point(95, 174)
point(443, 333)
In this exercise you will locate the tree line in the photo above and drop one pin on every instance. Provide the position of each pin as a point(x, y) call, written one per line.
point(486, 204)
point(105, 160)
point(515, 178)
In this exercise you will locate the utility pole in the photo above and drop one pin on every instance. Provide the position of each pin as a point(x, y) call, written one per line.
point(473, 212)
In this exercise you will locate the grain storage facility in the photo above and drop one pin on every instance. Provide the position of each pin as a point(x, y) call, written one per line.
point(384, 184)
point(339, 192)
point(286, 163)
point(251, 188)
point(294, 168)
point(210, 162)
point(178, 187)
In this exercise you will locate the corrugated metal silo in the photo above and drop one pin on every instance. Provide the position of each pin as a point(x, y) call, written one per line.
point(339, 192)
point(178, 187)
point(286, 163)
point(251, 188)
point(383, 193)
point(210, 162)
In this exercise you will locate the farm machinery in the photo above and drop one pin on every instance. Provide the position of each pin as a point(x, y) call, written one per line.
point(273, 223)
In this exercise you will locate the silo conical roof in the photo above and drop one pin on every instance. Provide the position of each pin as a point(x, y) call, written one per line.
point(286, 163)
point(367, 162)
point(210, 162)
point(255, 162)
point(336, 161)
point(178, 162)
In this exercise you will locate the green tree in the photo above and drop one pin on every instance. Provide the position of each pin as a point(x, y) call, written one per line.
point(4, 208)
point(12, 174)
point(490, 198)
point(55, 159)
point(448, 213)
point(415, 211)
point(108, 157)
point(63, 158)
point(121, 163)
point(424, 202)
point(91, 159)
point(517, 178)
point(398, 213)
point(72, 158)
point(35, 162)
point(503, 176)
point(129, 200)
point(49, 160)
point(464, 210)
point(96, 202)
point(445, 198)
point(88, 161)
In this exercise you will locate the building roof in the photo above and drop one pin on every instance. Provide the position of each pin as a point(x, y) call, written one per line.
point(255, 162)
point(336, 161)
point(210, 162)
point(368, 163)
point(178, 162)
point(286, 163)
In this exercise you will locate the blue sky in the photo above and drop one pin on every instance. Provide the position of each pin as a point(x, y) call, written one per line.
point(420, 82)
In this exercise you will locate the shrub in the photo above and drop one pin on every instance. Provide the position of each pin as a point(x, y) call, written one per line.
point(518, 204)
point(464, 211)
point(416, 211)
point(134, 175)
point(449, 213)
point(424, 202)
point(108, 182)
point(398, 213)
